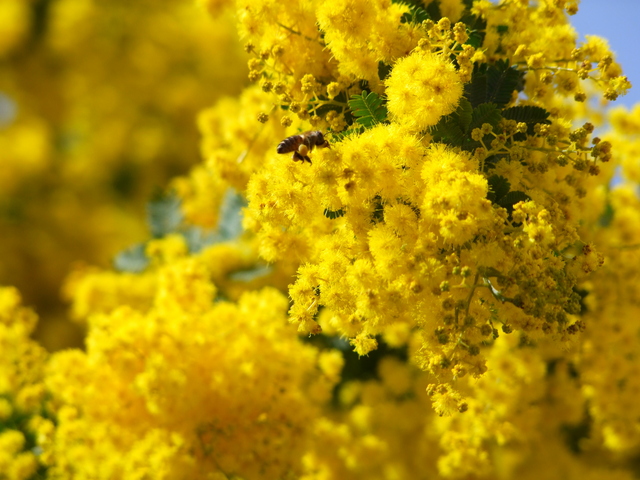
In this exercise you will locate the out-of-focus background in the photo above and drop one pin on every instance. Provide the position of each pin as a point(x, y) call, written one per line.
point(98, 106)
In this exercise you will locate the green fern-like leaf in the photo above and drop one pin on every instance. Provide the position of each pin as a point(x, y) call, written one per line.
point(368, 109)
point(511, 198)
point(498, 188)
point(377, 215)
point(475, 38)
point(433, 9)
point(448, 131)
point(476, 27)
point(464, 114)
point(384, 69)
point(453, 129)
point(476, 90)
point(415, 15)
point(333, 214)
point(527, 114)
point(485, 113)
point(494, 84)
point(502, 81)
point(327, 107)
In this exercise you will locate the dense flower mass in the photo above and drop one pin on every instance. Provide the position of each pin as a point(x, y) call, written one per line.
point(189, 405)
point(444, 289)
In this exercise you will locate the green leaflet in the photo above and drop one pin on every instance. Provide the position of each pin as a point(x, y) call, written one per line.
point(368, 109)
point(498, 188)
point(476, 27)
point(333, 214)
point(454, 129)
point(485, 113)
point(527, 114)
point(418, 12)
point(494, 84)
point(377, 214)
point(500, 194)
point(511, 198)
point(384, 69)
point(416, 15)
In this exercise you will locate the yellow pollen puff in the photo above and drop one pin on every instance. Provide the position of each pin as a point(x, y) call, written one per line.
point(536, 60)
point(363, 344)
point(421, 88)
point(331, 364)
point(11, 441)
point(5, 409)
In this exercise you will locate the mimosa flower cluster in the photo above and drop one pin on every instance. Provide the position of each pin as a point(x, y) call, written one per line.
point(442, 242)
point(448, 291)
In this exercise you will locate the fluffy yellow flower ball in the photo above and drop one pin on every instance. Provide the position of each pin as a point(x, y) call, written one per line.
point(421, 88)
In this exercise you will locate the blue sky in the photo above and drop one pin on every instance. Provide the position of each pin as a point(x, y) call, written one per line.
point(619, 22)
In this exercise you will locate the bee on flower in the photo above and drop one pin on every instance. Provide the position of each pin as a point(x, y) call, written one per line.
point(302, 144)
